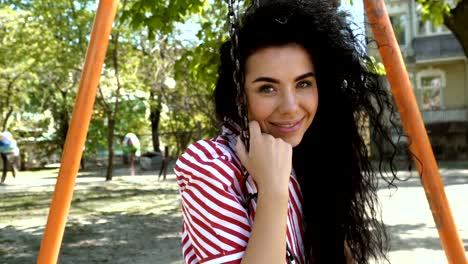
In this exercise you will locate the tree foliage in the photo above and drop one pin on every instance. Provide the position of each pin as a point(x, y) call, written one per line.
point(436, 10)
point(43, 49)
point(160, 16)
point(21, 56)
point(453, 14)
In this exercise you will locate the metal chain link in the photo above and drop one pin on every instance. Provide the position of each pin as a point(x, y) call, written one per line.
point(237, 75)
point(241, 99)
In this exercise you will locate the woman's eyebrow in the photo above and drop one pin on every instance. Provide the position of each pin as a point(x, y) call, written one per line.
point(305, 75)
point(272, 80)
point(265, 79)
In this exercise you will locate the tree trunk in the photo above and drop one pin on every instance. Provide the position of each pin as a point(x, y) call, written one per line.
point(110, 147)
point(5, 121)
point(199, 130)
point(63, 128)
point(9, 94)
point(154, 118)
point(64, 120)
point(457, 23)
point(112, 115)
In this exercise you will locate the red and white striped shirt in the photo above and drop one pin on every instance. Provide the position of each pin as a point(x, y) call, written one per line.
point(216, 227)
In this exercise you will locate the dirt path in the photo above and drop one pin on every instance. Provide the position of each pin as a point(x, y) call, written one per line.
point(137, 219)
point(128, 220)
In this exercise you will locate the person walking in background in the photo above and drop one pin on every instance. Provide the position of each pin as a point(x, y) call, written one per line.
point(131, 147)
point(10, 154)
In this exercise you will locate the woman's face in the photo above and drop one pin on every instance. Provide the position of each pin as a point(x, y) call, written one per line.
point(281, 91)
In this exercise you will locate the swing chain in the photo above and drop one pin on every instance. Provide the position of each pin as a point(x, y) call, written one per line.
point(237, 75)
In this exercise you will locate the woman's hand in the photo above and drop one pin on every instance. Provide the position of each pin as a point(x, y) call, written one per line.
point(268, 161)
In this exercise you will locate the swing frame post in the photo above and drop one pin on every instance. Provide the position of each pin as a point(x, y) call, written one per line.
point(76, 136)
point(414, 128)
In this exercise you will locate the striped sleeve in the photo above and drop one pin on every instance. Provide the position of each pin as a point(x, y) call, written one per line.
point(216, 224)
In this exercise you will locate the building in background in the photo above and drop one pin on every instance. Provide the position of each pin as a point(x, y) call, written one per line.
point(438, 70)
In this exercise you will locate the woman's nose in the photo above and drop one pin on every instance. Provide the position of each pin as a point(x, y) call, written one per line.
point(289, 102)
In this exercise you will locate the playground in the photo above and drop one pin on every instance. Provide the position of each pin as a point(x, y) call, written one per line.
point(137, 219)
point(131, 219)
point(120, 214)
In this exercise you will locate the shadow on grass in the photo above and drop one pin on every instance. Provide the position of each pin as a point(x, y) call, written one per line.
point(18, 246)
point(21, 203)
point(115, 175)
point(117, 238)
point(110, 238)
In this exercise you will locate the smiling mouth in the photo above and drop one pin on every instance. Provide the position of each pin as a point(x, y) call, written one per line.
point(288, 126)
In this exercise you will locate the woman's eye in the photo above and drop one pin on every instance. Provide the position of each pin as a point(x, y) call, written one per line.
point(266, 89)
point(304, 84)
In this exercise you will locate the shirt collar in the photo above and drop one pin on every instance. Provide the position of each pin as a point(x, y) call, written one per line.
point(230, 128)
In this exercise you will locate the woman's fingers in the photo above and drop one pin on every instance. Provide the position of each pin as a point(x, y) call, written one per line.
point(255, 131)
point(255, 134)
point(241, 152)
point(268, 160)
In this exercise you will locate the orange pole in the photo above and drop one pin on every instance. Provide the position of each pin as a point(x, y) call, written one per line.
point(61, 200)
point(414, 128)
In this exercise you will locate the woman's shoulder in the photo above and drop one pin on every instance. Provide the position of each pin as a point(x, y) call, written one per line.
point(212, 160)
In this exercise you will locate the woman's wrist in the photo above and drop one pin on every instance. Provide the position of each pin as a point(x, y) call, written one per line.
point(277, 196)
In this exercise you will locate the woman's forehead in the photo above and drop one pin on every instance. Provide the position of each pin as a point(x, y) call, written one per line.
point(279, 58)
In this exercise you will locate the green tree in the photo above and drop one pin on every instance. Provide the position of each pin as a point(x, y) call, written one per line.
point(145, 51)
point(20, 52)
point(156, 16)
point(454, 17)
point(196, 76)
point(119, 83)
point(191, 113)
point(59, 70)
point(156, 21)
point(70, 23)
point(158, 56)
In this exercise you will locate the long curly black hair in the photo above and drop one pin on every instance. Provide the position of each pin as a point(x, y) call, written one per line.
point(332, 162)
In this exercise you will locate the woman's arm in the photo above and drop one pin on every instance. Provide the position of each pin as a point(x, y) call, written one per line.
point(269, 163)
point(267, 243)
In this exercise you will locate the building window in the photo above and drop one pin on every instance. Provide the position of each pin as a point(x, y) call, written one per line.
point(431, 83)
point(399, 24)
point(431, 92)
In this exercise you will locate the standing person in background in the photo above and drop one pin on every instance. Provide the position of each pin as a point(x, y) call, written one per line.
point(164, 163)
point(82, 160)
point(304, 191)
point(131, 147)
point(10, 154)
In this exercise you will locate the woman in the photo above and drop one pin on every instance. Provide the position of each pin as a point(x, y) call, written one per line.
point(310, 191)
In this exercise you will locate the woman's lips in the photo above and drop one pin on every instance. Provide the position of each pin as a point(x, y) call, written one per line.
point(287, 127)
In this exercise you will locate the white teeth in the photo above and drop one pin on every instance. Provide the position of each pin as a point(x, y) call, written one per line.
point(285, 125)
